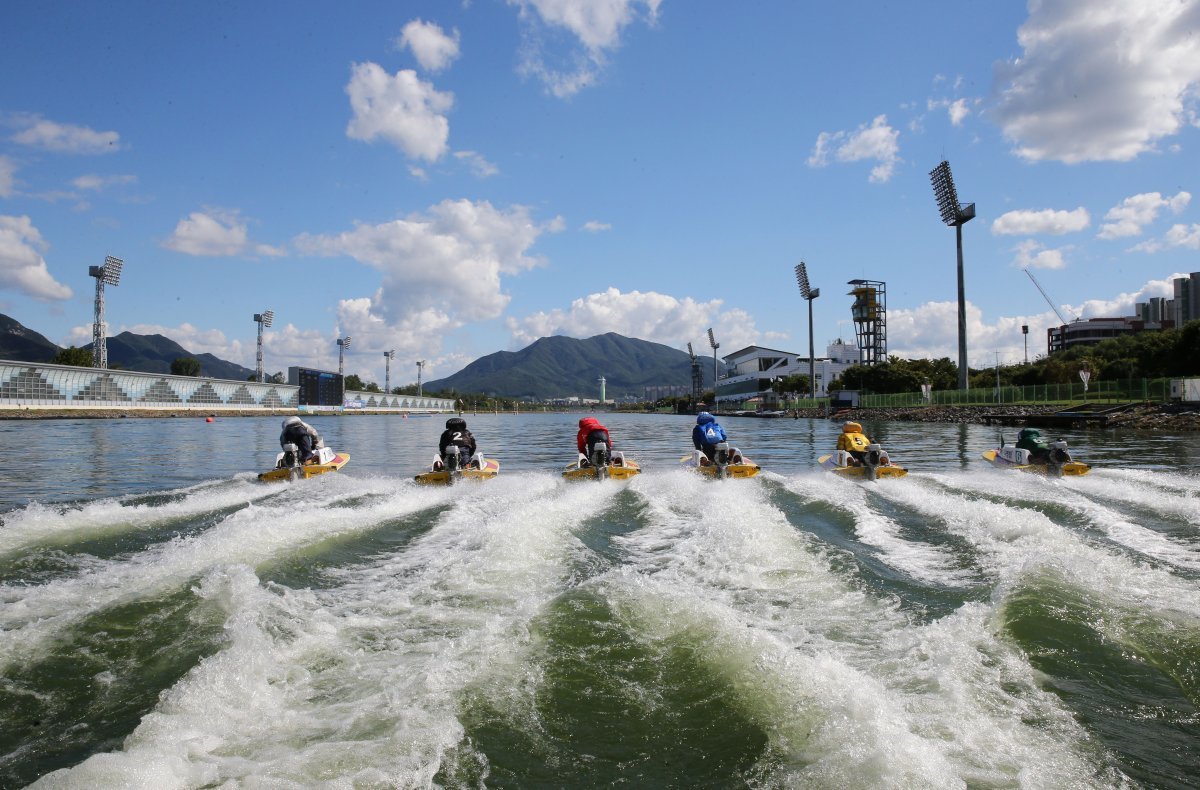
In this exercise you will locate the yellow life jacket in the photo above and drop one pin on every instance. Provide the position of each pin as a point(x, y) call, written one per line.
point(853, 442)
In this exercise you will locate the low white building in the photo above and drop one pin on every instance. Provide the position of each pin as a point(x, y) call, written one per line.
point(749, 372)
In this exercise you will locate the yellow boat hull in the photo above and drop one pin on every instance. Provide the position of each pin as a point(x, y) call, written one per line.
point(442, 477)
point(1069, 469)
point(623, 472)
point(305, 471)
point(746, 468)
point(891, 470)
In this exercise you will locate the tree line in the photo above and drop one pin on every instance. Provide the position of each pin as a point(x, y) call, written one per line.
point(1133, 355)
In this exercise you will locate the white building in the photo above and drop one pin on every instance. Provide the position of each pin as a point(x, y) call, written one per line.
point(749, 372)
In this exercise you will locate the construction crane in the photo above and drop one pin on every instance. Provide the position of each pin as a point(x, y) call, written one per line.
point(1046, 296)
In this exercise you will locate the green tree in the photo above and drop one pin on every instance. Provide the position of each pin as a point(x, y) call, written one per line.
point(354, 383)
point(78, 357)
point(185, 366)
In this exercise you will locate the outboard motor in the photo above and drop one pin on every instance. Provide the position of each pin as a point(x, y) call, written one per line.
point(1059, 457)
point(450, 461)
point(874, 457)
point(722, 458)
point(598, 455)
point(291, 457)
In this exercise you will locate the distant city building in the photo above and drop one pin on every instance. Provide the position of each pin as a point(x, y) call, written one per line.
point(1155, 314)
point(750, 372)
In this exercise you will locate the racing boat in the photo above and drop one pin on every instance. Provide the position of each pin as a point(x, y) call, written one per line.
point(447, 471)
point(602, 466)
point(727, 462)
point(875, 464)
point(288, 466)
point(1058, 464)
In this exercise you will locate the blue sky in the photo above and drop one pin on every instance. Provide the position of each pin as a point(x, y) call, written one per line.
point(451, 179)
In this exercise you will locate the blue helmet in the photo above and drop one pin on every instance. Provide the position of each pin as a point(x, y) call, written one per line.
point(704, 418)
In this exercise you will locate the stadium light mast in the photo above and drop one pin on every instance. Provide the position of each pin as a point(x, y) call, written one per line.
point(263, 319)
point(108, 274)
point(388, 356)
point(420, 367)
point(956, 215)
point(343, 344)
point(712, 341)
point(808, 294)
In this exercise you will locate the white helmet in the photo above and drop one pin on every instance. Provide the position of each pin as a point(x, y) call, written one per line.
point(290, 421)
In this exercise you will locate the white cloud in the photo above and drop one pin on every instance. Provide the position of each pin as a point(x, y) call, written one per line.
point(1026, 222)
point(1099, 81)
point(95, 183)
point(399, 108)
point(430, 45)
point(877, 141)
point(595, 24)
point(63, 138)
point(8, 181)
point(216, 233)
point(1032, 253)
point(440, 268)
point(647, 315)
point(22, 267)
point(593, 226)
point(1132, 214)
point(479, 166)
point(1122, 304)
point(956, 109)
point(1184, 236)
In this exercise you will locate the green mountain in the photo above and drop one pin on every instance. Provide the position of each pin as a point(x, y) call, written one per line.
point(558, 367)
point(145, 353)
point(155, 353)
point(23, 344)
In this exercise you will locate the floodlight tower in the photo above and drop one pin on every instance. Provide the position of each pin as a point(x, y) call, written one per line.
point(808, 294)
point(388, 356)
point(109, 273)
point(697, 377)
point(263, 319)
point(956, 215)
point(420, 367)
point(343, 344)
point(712, 341)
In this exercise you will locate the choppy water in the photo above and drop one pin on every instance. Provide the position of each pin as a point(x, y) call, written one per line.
point(169, 622)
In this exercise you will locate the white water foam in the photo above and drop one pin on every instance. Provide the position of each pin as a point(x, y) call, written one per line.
point(921, 561)
point(849, 692)
point(359, 684)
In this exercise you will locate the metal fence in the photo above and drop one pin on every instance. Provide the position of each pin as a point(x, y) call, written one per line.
point(1116, 391)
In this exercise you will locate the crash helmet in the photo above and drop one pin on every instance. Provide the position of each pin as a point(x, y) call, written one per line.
point(289, 421)
point(703, 418)
point(851, 427)
point(456, 424)
point(1029, 433)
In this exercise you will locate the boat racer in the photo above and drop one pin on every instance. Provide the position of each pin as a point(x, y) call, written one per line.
point(303, 435)
point(853, 441)
point(591, 436)
point(457, 439)
point(707, 434)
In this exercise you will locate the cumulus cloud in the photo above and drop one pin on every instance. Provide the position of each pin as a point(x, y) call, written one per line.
point(1134, 213)
point(22, 267)
point(593, 226)
point(1032, 253)
point(399, 108)
point(62, 138)
point(439, 268)
point(1026, 222)
point(8, 181)
point(648, 315)
point(878, 141)
point(95, 183)
point(430, 45)
point(595, 25)
point(479, 166)
point(216, 233)
point(1099, 81)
